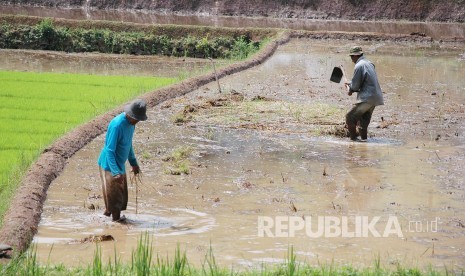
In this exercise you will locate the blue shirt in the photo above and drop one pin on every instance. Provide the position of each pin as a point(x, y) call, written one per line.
point(118, 146)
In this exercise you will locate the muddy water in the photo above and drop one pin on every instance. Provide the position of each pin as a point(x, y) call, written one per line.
point(100, 64)
point(435, 30)
point(410, 171)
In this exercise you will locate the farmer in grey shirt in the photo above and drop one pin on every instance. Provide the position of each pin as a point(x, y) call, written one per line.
point(369, 94)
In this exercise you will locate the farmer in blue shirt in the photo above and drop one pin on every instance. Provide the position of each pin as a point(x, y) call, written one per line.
point(116, 151)
point(369, 95)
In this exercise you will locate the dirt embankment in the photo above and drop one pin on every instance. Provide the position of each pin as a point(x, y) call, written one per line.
point(172, 31)
point(414, 10)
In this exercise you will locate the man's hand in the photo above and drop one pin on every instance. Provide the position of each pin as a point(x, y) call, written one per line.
point(136, 169)
point(347, 86)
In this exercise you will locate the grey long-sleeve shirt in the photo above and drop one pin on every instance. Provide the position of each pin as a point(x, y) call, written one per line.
point(365, 83)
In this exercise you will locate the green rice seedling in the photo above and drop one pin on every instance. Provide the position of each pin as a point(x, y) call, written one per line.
point(179, 265)
point(407, 271)
point(97, 268)
point(291, 264)
point(24, 264)
point(145, 155)
point(179, 153)
point(37, 108)
point(11, 179)
point(115, 267)
point(141, 264)
point(178, 163)
point(31, 266)
point(181, 118)
point(210, 266)
point(183, 167)
point(142, 256)
point(377, 265)
point(179, 168)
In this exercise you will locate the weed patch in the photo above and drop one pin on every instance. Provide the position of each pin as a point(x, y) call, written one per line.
point(46, 35)
point(178, 162)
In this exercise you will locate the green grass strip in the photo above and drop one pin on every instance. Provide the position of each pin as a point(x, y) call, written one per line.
point(180, 41)
point(143, 263)
point(37, 108)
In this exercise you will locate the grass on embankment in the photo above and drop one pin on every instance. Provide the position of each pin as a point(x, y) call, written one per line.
point(143, 262)
point(19, 32)
point(37, 108)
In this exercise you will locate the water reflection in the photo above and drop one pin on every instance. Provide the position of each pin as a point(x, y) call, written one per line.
point(435, 30)
point(240, 174)
point(100, 64)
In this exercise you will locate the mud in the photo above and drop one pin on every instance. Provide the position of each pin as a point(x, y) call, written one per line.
point(21, 220)
point(422, 129)
point(95, 239)
point(257, 150)
point(102, 64)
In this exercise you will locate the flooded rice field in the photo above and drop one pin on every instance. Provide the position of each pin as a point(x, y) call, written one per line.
point(101, 64)
point(431, 29)
point(256, 157)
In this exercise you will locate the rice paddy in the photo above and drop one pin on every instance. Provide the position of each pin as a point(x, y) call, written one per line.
point(37, 108)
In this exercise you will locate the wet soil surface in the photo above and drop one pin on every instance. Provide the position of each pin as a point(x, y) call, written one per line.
point(101, 64)
point(214, 163)
point(435, 30)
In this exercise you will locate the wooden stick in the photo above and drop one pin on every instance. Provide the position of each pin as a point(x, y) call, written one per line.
point(216, 75)
point(344, 74)
point(345, 78)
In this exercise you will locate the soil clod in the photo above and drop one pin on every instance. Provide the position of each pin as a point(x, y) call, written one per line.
point(293, 208)
point(97, 238)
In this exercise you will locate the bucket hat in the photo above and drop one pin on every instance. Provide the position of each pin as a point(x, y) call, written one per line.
point(137, 110)
point(355, 51)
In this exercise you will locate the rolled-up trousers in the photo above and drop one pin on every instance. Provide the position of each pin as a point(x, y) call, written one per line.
point(360, 112)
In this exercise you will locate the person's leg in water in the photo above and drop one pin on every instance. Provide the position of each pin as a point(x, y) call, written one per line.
point(355, 115)
point(116, 193)
point(104, 191)
point(364, 122)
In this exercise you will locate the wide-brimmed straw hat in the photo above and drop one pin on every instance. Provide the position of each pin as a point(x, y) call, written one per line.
point(137, 110)
point(355, 51)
